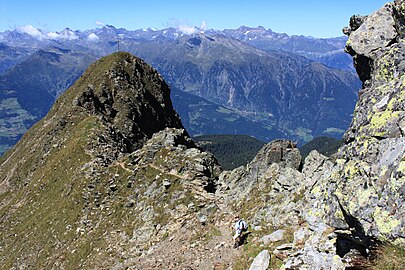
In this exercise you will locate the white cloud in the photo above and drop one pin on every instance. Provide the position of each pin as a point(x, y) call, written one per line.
point(31, 30)
point(68, 34)
point(186, 29)
point(181, 26)
point(203, 26)
point(52, 35)
point(40, 35)
point(100, 23)
point(93, 37)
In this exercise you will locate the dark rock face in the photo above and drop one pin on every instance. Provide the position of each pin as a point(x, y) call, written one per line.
point(131, 96)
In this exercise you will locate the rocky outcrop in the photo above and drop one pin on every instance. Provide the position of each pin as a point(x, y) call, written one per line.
point(371, 182)
point(131, 96)
point(265, 182)
point(275, 192)
point(120, 181)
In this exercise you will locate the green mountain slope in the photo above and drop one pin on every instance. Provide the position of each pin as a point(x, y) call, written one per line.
point(231, 151)
point(28, 90)
point(324, 145)
point(247, 91)
point(201, 116)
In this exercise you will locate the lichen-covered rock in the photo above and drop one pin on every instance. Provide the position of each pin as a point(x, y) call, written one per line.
point(370, 183)
point(371, 33)
point(347, 204)
point(270, 183)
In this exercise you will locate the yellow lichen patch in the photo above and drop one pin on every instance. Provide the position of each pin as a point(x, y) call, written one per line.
point(340, 161)
point(315, 213)
point(396, 100)
point(365, 196)
point(339, 215)
point(380, 119)
point(385, 222)
point(338, 194)
point(351, 169)
point(365, 142)
point(396, 184)
point(337, 259)
point(401, 167)
point(316, 190)
point(399, 242)
point(383, 171)
point(385, 66)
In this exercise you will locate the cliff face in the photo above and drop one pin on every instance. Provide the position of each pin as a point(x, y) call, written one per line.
point(373, 178)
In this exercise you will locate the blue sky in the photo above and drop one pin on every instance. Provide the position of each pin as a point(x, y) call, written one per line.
point(318, 18)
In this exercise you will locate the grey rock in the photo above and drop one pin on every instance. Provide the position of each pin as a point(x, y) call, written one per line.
point(202, 218)
point(261, 262)
point(274, 237)
point(279, 151)
point(257, 228)
point(285, 246)
point(312, 259)
point(151, 189)
point(166, 183)
point(300, 236)
point(315, 224)
point(376, 32)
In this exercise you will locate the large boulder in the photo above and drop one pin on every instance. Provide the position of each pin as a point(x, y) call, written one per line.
point(261, 262)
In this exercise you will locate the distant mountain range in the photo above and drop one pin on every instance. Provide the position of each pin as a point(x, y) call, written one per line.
point(242, 81)
point(328, 51)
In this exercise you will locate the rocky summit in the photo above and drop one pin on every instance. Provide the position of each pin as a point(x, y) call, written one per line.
point(110, 179)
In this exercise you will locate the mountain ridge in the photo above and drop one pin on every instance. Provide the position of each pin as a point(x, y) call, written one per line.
point(215, 67)
point(96, 152)
point(259, 37)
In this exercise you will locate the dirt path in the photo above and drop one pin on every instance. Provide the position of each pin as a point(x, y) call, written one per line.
point(193, 246)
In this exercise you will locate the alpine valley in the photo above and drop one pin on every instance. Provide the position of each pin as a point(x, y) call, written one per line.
point(248, 81)
point(110, 178)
